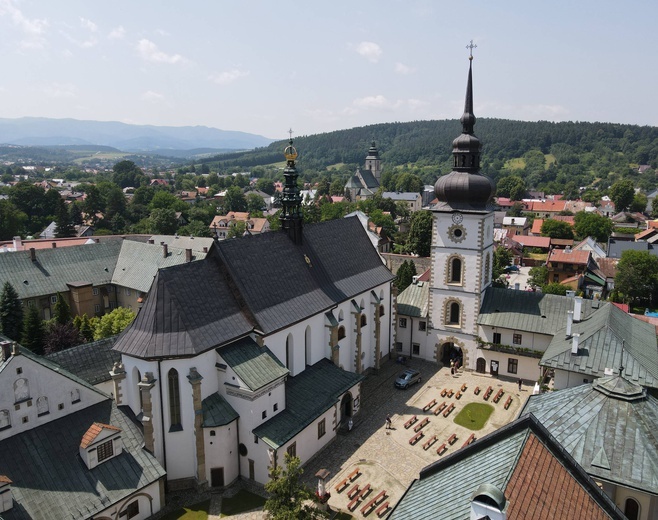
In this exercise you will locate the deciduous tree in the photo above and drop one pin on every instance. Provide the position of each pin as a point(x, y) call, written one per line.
point(637, 276)
point(556, 229)
point(592, 225)
point(622, 193)
point(420, 233)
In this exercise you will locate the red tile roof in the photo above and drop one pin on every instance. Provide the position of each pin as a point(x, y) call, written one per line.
point(569, 256)
point(4, 479)
point(94, 431)
point(530, 241)
point(548, 206)
point(542, 487)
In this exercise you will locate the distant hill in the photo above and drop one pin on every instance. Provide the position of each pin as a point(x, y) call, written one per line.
point(37, 131)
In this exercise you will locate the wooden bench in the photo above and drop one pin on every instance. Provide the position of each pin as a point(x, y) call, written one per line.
point(365, 510)
point(429, 442)
point(421, 424)
point(441, 449)
point(452, 439)
point(364, 491)
point(458, 395)
point(443, 392)
point(415, 438)
point(450, 392)
point(354, 474)
point(429, 405)
point(354, 491)
point(488, 393)
point(508, 402)
point(352, 505)
point(440, 408)
point(341, 485)
point(408, 424)
point(382, 510)
point(448, 410)
point(464, 387)
point(499, 394)
point(477, 390)
point(470, 439)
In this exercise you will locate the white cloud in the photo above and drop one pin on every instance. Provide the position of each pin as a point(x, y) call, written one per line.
point(33, 28)
point(149, 51)
point(228, 76)
point(118, 33)
point(401, 68)
point(378, 101)
point(536, 112)
point(370, 51)
point(153, 97)
point(60, 90)
point(88, 24)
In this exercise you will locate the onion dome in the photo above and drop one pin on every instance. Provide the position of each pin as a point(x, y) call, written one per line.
point(373, 153)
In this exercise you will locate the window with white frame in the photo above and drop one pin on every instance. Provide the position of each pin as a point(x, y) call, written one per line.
point(422, 326)
point(403, 323)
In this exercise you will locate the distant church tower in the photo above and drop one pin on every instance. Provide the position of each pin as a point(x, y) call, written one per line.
point(462, 245)
point(291, 213)
point(374, 163)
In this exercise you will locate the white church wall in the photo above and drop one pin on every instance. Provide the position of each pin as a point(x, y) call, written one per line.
point(148, 503)
point(32, 395)
point(527, 368)
point(221, 449)
point(645, 501)
point(300, 356)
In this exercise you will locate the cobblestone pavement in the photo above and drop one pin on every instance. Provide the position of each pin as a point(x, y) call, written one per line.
point(384, 457)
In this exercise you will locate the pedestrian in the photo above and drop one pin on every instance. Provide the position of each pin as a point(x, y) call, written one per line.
point(388, 421)
point(520, 384)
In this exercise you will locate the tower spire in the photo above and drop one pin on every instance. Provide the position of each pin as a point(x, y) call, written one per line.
point(291, 214)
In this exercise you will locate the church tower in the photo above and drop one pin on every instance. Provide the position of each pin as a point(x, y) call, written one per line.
point(291, 213)
point(374, 163)
point(462, 245)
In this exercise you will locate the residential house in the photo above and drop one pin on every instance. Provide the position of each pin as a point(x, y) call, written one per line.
point(566, 263)
point(413, 201)
point(516, 225)
point(548, 208)
point(606, 207)
point(221, 224)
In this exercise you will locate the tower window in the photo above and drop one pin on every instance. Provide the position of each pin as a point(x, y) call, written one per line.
point(174, 400)
point(456, 270)
point(453, 316)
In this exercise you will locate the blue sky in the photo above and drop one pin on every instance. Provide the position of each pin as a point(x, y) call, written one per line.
point(265, 66)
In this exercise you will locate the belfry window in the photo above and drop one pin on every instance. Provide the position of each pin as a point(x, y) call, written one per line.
point(453, 314)
point(455, 270)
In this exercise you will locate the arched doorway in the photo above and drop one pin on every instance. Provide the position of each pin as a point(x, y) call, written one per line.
point(632, 509)
point(451, 352)
point(481, 365)
point(346, 406)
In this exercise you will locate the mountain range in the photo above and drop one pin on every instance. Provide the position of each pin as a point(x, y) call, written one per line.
point(39, 131)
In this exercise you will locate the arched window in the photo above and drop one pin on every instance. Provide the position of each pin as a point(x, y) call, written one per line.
point(364, 320)
point(632, 509)
point(382, 311)
point(487, 268)
point(307, 345)
point(455, 270)
point(289, 352)
point(5, 421)
point(341, 332)
point(75, 396)
point(341, 316)
point(453, 313)
point(174, 399)
point(21, 390)
point(42, 406)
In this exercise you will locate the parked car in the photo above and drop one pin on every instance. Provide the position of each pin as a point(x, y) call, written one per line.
point(407, 378)
point(512, 269)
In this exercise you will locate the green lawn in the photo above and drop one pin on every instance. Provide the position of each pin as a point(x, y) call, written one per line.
point(474, 415)
point(241, 502)
point(194, 512)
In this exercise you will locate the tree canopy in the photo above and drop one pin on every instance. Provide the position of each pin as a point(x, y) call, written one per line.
point(11, 312)
point(420, 233)
point(593, 225)
point(556, 229)
point(622, 193)
point(637, 276)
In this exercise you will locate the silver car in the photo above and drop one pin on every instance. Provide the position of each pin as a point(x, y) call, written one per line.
point(407, 378)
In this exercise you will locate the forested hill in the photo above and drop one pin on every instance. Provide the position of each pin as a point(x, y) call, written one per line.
point(582, 151)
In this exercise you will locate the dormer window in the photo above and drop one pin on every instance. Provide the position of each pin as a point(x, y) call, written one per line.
point(100, 443)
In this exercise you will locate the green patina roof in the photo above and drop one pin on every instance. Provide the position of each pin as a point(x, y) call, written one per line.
point(610, 428)
point(308, 395)
point(255, 366)
point(414, 300)
point(527, 311)
point(217, 411)
point(604, 336)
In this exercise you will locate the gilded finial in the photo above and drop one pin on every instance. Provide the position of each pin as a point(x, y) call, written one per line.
point(290, 152)
point(470, 47)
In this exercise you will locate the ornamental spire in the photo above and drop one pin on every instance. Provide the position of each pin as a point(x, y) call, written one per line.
point(291, 214)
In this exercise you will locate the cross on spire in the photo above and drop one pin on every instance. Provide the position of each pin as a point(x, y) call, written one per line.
point(290, 133)
point(470, 47)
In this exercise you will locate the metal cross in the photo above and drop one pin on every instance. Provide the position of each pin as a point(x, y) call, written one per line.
point(290, 132)
point(470, 47)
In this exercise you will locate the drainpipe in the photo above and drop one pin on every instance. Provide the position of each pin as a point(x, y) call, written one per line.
point(411, 341)
point(164, 442)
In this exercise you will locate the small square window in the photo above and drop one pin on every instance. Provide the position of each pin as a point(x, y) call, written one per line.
point(97, 308)
point(128, 292)
point(95, 291)
point(517, 338)
point(19, 370)
point(403, 323)
point(25, 419)
point(264, 414)
point(60, 406)
point(275, 407)
point(322, 428)
point(53, 299)
point(30, 303)
point(212, 433)
point(415, 349)
point(105, 450)
point(512, 366)
point(292, 449)
point(422, 326)
point(255, 439)
point(497, 338)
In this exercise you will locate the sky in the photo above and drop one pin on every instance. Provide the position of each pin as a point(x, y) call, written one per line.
point(262, 67)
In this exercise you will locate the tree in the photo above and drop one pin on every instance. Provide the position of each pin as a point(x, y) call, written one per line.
point(622, 194)
point(556, 229)
point(405, 275)
point(420, 233)
point(409, 183)
point(33, 331)
point(265, 185)
point(516, 210)
point(538, 276)
point(639, 203)
point(113, 323)
point(654, 208)
point(127, 173)
point(289, 498)
point(63, 221)
point(60, 337)
point(11, 312)
point(163, 221)
point(235, 200)
point(637, 276)
point(501, 259)
point(255, 203)
point(62, 310)
point(12, 220)
point(506, 185)
point(555, 288)
point(237, 229)
point(593, 225)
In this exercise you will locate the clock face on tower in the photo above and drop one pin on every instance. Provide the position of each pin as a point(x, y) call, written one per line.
point(457, 218)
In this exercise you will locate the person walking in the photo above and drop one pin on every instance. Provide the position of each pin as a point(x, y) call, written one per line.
point(520, 384)
point(388, 421)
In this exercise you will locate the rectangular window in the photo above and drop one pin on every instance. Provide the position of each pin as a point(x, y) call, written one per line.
point(53, 299)
point(95, 291)
point(255, 439)
point(30, 303)
point(422, 326)
point(105, 450)
point(110, 288)
point(113, 305)
point(415, 349)
point(97, 308)
point(275, 407)
point(128, 292)
point(512, 366)
point(516, 339)
point(322, 428)
point(133, 509)
point(398, 346)
point(264, 414)
point(403, 323)
point(292, 449)
point(497, 338)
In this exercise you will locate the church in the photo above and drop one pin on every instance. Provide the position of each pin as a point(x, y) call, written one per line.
point(259, 349)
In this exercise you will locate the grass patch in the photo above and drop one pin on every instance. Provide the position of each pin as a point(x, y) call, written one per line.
point(194, 512)
point(474, 415)
point(550, 159)
point(515, 164)
point(241, 502)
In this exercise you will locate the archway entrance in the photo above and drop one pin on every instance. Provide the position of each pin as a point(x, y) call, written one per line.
point(481, 365)
point(346, 406)
point(451, 352)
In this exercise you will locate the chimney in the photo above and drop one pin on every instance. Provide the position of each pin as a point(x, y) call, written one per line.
point(574, 344)
point(517, 286)
point(577, 308)
point(569, 322)
point(188, 255)
point(151, 241)
point(205, 249)
point(53, 244)
point(33, 254)
point(18, 243)
point(5, 350)
point(165, 250)
point(14, 349)
point(98, 240)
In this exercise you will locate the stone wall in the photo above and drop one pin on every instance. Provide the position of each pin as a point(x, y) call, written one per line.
point(393, 262)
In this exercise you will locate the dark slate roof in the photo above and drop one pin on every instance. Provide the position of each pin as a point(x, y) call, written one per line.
point(263, 281)
point(617, 247)
point(308, 395)
point(53, 268)
point(524, 462)
point(189, 309)
point(91, 361)
point(217, 411)
point(527, 311)
point(610, 429)
point(605, 336)
point(282, 283)
point(255, 366)
point(414, 300)
point(369, 180)
point(50, 480)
